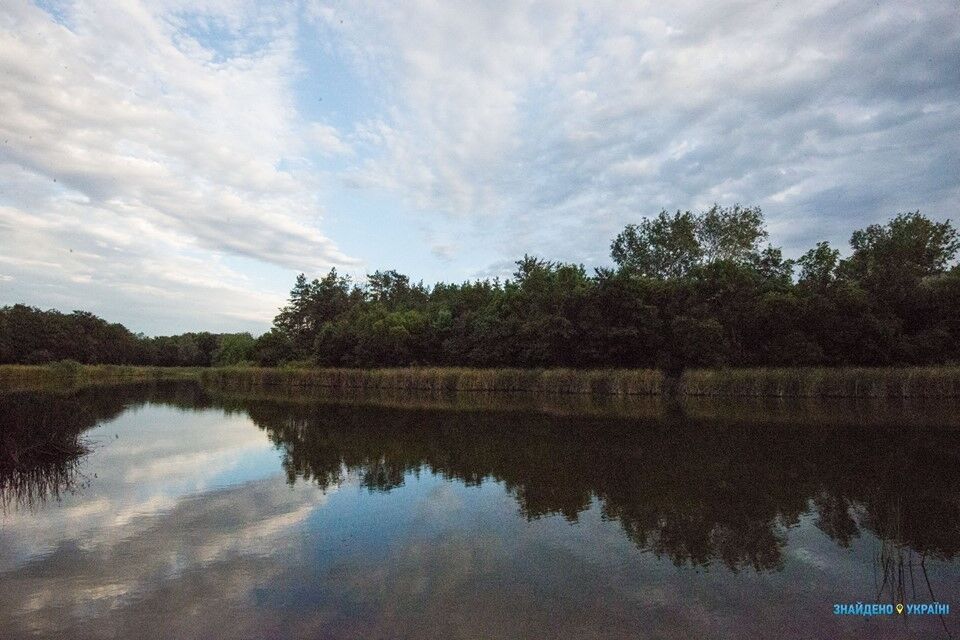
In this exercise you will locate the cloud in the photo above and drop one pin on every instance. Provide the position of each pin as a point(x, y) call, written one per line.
point(238, 540)
point(147, 463)
point(138, 154)
point(502, 269)
point(327, 140)
point(443, 250)
point(159, 165)
point(559, 123)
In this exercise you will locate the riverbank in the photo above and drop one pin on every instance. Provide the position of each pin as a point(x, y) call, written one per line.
point(920, 382)
point(440, 379)
point(927, 382)
point(16, 376)
point(843, 382)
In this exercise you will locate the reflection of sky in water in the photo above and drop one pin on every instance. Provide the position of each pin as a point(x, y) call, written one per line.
point(188, 528)
point(144, 463)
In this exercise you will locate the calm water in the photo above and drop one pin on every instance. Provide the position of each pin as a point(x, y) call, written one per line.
point(167, 511)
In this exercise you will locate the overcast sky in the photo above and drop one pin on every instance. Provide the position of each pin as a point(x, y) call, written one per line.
point(173, 165)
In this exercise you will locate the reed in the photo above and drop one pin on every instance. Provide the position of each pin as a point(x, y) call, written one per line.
point(69, 373)
point(554, 404)
point(913, 382)
point(568, 381)
point(919, 382)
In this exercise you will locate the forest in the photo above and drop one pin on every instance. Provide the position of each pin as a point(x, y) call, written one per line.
point(685, 290)
point(32, 336)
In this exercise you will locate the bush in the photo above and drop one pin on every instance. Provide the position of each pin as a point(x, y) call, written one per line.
point(66, 368)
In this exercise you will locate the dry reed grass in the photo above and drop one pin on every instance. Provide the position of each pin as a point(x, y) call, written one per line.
point(846, 382)
point(614, 382)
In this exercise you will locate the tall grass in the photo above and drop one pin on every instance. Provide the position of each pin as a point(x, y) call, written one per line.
point(67, 372)
point(927, 382)
point(616, 382)
point(914, 382)
point(921, 382)
point(555, 404)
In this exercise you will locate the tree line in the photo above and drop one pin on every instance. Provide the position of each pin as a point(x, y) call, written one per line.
point(687, 289)
point(32, 336)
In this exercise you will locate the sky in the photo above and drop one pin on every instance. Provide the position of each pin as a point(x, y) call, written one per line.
point(173, 165)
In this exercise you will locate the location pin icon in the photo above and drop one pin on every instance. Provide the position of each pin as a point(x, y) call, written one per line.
point(900, 608)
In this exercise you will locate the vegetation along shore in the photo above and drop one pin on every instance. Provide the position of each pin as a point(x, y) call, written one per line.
point(800, 382)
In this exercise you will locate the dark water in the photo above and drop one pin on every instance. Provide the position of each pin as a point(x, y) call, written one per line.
point(171, 512)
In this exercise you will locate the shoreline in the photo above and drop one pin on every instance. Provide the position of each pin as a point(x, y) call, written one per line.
point(845, 382)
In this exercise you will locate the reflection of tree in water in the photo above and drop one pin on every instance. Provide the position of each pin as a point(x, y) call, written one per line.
point(41, 434)
point(900, 572)
point(695, 490)
point(43, 471)
point(41, 444)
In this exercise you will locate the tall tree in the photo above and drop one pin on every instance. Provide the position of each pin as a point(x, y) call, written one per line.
point(911, 244)
point(664, 247)
point(818, 266)
point(732, 233)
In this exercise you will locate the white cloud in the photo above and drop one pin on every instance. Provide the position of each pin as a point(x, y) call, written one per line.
point(136, 160)
point(153, 157)
point(443, 250)
point(550, 117)
point(327, 139)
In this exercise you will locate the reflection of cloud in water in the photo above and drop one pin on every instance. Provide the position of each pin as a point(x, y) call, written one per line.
point(442, 499)
point(144, 463)
point(232, 533)
point(478, 524)
point(152, 505)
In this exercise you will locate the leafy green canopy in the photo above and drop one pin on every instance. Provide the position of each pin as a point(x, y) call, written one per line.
point(670, 246)
point(31, 336)
point(689, 289)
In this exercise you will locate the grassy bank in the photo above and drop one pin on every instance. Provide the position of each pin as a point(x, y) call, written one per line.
point(919, 382)
point(927, 382)
point(14, 376)
point(607, 382)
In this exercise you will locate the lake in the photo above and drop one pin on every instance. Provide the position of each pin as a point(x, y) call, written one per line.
point(168, 510)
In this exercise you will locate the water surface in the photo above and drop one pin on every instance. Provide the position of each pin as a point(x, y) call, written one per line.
point(172, 511)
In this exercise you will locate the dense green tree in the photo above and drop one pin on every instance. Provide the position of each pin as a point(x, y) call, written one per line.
point(818, 267)
point(664, 247)
point(233, 349)
point(296, 320)
point(31, 336)
point(272, 348)
point(731, 234)
point(910, 244)
point(670, 246)
point(688, 290)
